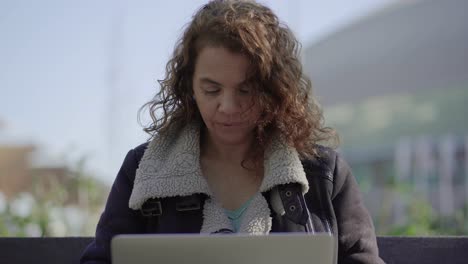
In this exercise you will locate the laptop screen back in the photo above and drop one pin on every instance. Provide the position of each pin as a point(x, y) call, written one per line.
point(287, 248)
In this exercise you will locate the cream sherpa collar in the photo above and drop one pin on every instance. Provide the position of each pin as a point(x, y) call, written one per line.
point(170, 167)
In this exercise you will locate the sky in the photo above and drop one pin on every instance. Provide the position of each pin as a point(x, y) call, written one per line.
point(73, 74)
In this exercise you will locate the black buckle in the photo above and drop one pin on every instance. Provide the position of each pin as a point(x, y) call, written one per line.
point(151, 207)
point(294, 204)
point(188, 203)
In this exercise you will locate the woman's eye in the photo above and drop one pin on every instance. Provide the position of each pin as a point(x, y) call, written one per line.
point(244, 90)
point(210, 90)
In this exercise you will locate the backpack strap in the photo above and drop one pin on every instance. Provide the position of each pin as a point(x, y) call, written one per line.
point(287, 202)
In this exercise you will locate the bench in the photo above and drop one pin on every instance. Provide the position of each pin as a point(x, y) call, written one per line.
point(393, 250)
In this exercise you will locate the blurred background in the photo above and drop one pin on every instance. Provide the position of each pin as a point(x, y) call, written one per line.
point(391, 75)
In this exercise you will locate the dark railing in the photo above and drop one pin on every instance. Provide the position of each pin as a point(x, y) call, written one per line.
point(394, 250)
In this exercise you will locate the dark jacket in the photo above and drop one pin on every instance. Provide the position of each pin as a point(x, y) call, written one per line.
point(334, 203)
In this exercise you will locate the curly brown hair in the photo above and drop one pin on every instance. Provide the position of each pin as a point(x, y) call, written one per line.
point(282, 89)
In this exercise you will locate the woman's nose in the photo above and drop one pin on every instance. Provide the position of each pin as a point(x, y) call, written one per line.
point(229, 105)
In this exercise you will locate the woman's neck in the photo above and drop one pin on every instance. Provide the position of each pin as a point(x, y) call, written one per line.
point(213, 149)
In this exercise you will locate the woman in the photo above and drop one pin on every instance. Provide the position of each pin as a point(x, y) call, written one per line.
point(235, 147)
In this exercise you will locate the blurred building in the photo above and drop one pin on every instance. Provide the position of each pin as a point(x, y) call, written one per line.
point(14, 169)
point(47, 200)
point(18, 175)
point(395, 84)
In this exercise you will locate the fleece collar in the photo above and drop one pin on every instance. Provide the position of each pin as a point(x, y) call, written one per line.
point(171, 167)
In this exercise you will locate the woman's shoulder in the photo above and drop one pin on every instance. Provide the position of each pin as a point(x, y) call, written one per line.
point(324, 160)
point(131, 162)
point(327, 162)
point(140, 150)
point(133, 157)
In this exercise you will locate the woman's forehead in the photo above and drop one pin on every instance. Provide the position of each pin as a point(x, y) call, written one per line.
point(220, 65)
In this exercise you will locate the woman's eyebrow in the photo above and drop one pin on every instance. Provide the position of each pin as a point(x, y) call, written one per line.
point(209, 81)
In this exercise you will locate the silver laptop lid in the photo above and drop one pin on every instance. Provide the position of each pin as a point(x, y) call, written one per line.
point(286, 248)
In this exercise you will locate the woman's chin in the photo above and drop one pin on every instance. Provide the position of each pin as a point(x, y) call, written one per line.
point(234, 139)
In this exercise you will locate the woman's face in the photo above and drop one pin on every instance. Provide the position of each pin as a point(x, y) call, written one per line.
point(223, 97)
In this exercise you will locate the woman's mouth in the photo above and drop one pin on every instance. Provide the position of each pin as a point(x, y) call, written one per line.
point(231, 124)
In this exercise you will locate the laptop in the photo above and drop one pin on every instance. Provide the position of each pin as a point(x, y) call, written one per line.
point(285, 248)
